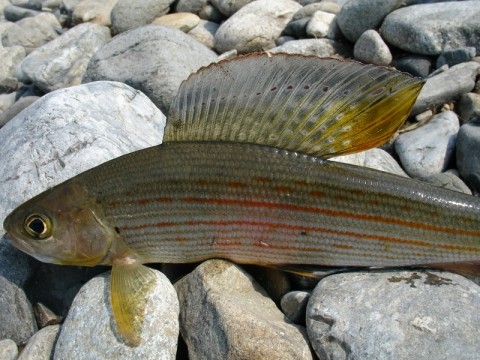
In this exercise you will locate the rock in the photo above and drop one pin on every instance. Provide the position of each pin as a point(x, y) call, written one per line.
point(310, 9)
point(428, 150)
point(28, 4)
point(275, 282)
point(255, 26)
point(294, 306)
point(91, 313)
point(447, 86)
point(6, 100)
point(468, 160)
point(469, 108)
point(16, 315)
point(229, 7)
point(45, 317)
point(377, 159)
point(456, 56)
point(63, 61)
point(16, 13)
point(395, 315)
point(10, 57)
point(181, 21)
point(127, 14)
point(202, 8)
point(448, 180)
point(32, 32)
point(430, 29)
point(4, 26)
point(296, 28)
point(227, 55)
point(69, 131)
point(371, 49)
point(168, 56)
point(416, 65)
point(40, 346)
point(318, 47)
point(8, 349)
point(356, 17)
point(94, 11)
point(323, 24)
point(204, 32)
point(210, 13)
point(225, 314)
point(16, 108)
point(284, 39)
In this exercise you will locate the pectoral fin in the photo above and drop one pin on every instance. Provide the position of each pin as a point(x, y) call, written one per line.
point(130, 287)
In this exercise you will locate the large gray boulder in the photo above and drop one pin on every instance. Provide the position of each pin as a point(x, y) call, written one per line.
point(153, 59)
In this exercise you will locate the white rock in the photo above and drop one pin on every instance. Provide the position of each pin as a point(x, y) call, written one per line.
point(256, 26)
point(63, 61)
point(10, 57)
point(89, 331)
point(428, 149)
point(395, 315)
point(94, 11)
point(323, 25)
point(204, 32)
point(8, 350)
point(371, 49)
point(40, 345)
point(377, 159)
point(317, 47)
point(69, 131)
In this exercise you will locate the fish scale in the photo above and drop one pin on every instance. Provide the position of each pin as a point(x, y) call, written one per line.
point(257, 204)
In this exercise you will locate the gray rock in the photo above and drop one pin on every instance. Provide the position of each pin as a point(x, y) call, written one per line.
point(225, 314)
point(202, 8)
point(448, 180)
point(456, 56)
point(432, 28)
point(204, 33)
point(416, 65)
point(318, 47)
point(469, 108)
point(284, 39)
point(229, 7)
point(428, 149)
point(256, 26)
point(94, 11)
point(45, 317)
point(16, 314)
point(28, 4)
point(89, 331)
point(10, 57)
point(296, 28)
point(468, 159)
point(69, 131)
point(395, 315)
point(371, 49)
point(32, 32)
point(3, 4)
point(16, 13)
point(127, 14)
point(181, 21)
point(40, 346)
point(4, 26)
point(324, 25)
point(294, 305)
point(309, 10)
point(447, 86)
point(8, 349)
point(63, 61)
point(168, 56)
point(16, 108)
point(377, 159)
point(356, 17)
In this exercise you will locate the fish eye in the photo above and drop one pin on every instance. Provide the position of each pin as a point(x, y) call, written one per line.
point(38, 226)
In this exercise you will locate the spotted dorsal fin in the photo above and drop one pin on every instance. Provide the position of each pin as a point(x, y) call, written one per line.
point(317, 106)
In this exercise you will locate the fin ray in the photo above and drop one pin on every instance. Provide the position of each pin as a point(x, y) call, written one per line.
point(130, 287)
point(319, 106)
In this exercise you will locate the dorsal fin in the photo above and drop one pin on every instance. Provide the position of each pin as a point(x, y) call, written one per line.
point(317, 106)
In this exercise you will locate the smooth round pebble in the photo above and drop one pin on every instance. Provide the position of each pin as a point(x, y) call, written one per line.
point(294, 305)
point(371, 49)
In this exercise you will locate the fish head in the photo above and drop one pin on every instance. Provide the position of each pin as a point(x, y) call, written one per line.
point(63, 225)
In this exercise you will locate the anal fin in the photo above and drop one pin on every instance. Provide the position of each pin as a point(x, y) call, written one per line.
point(314, 271)
point(131, 285)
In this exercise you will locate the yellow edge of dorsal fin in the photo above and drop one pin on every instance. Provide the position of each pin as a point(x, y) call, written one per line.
point(317, 106)
point(131, 285)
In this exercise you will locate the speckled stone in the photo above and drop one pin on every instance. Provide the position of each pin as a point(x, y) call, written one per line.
point(41, 344)
point(371, 49)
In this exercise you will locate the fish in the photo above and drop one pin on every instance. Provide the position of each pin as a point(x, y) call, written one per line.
point(243, 174)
